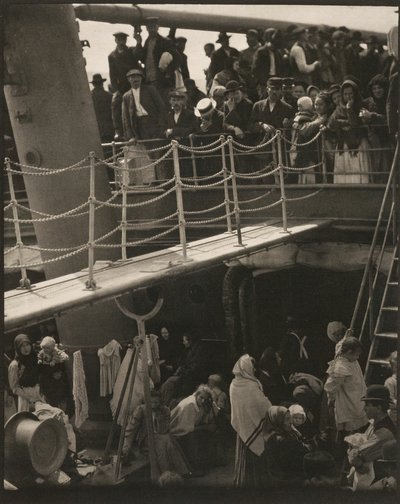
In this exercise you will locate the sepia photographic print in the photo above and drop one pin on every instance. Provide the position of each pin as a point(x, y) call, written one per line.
point(201, 243)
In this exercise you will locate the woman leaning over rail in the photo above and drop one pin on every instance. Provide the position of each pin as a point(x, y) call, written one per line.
point(352, 160)
point(23, 374)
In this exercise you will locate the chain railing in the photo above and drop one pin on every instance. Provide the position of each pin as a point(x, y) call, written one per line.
point(226, 177)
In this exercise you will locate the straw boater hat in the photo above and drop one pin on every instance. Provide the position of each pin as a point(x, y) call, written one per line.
point(33, 444)
point(204, 107)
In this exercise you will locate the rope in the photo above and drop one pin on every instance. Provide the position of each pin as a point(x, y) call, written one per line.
point(199, 148)
point(46, 171)
point(156, 149)
point(150, 223)
point(249, 210)
point(199, 179)
point(151, 188)
point(208, 151)
point(101, 238)
point(251, 200)
point(258, 176)
point(193, 212)
point(43, 249)
point(8, 251)
point(208, 221)
point(205, 186)
point(255, 147)
point(305, 197)
point(301, 144)
point(139, 242)
point(48, 261)
point(52, 217)
point(42, 168)
point(7, 207)
point(142, 203)
point(140, 168)
point(289, 168)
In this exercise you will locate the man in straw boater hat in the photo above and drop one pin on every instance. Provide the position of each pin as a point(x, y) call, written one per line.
point(380, 430)
point(122, 59)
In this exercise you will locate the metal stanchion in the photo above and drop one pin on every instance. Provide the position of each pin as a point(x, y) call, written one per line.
point(125, 179)
point(371, 303)
point(114, 153)
point(179, 200)
point(24, 283)
point(90, 283)
point(235, 193)
point(282, 182)
point(192, 155)
point(323, 158)
point(226, 189)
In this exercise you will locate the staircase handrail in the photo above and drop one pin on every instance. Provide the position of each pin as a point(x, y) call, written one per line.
point(375, 237)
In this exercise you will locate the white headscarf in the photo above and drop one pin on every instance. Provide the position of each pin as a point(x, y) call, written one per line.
point(249, 405)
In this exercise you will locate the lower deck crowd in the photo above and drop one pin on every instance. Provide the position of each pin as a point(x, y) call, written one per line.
point(288, 418)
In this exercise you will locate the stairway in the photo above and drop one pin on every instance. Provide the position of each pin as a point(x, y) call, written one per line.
point(385, 335)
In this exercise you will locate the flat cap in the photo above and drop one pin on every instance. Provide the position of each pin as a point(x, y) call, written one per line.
point(134, 71)
point(275, 82)
point(120, 34)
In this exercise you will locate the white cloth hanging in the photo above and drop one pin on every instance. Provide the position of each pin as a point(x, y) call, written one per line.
point(138, 393)
point(79, 390)
point(110, 362)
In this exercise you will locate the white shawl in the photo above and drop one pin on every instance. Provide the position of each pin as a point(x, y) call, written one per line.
point(249, 405)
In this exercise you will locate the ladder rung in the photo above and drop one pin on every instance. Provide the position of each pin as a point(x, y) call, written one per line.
point(380, 362)
point(390, 308)
point(389, 335)
point(393, 284)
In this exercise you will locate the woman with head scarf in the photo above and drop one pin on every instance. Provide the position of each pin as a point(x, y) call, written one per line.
point(352, 160)
point(284, 450)
point(248, 408)
point(23, 374)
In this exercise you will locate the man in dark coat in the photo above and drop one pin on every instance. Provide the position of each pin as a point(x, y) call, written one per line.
point(237, 110)
point(219, 57)
point(194, 94)
point(122, 59)
point(287, 92)
point(267, 59)
point(102, 106)
point(369, 62)
point(160, 58)
point(303, 65)
point(143, 111)
point(181, 122)
point(352, 54)
point(180, 43)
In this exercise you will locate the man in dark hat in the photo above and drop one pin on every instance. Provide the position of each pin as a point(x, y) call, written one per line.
point(380, 430)
point(160, 58)
point(209, 50)
point(194, 94)
point(122, 59)
point(267, 60)
point(302, 62)
point(287, 92)
point(102, 106)
point(237, 110)
point(180, 43)
point(369, 62)
point(246, 59)
point(352, 54)
point(220, 56)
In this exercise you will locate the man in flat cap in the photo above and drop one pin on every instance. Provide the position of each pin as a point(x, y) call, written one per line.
point(160, 58)
point(143, 111)
point(302, 62)
point(122, 59)
point(219, 57)
point(270, 114)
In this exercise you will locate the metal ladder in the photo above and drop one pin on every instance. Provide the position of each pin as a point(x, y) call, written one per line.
point(382, 331)
point(385, 329)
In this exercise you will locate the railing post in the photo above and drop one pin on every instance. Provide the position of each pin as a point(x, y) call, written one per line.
point(114, 158)
point(235, 193)
point(371, 303)
point(90, 283)
point(226, 189)
point(179, 200)
point(125, 178)
point(323, 157)
point(395, 196)
point(192, 155)
point(282, 182)
point(24, 283)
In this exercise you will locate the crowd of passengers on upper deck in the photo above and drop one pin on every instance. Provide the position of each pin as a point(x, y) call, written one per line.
point(300, 80)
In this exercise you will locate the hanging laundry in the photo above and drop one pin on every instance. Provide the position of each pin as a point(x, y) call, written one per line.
point(110, 362)
point(138, 394)
point(79, 390)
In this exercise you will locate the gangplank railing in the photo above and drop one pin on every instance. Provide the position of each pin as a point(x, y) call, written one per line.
point(223, 171)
